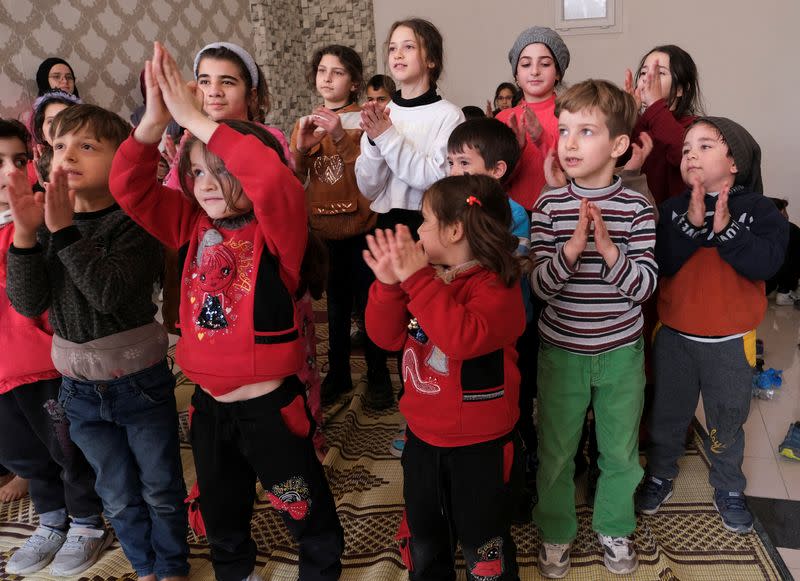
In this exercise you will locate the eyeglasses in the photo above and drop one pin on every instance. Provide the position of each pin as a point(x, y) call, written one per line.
point(58, 77)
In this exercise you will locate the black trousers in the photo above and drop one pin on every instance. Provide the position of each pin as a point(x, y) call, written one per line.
point(460, 494)
point(35, 444)
point(786, 278)
point(268, 437)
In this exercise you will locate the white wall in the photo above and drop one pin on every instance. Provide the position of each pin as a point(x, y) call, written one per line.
point(747, 54)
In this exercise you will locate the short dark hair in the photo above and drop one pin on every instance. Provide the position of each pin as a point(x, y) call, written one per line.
point(493, 140)
point(13, 129)
point(385, 82)
point(472, 112)
point(104, 124)
point(430, 40)
point(617, 105)
point(349, 58)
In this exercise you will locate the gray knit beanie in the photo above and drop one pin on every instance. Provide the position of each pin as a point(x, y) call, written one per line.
point(744, 150)
point(548, 37)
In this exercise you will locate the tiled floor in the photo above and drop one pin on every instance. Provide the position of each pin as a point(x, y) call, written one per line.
point(770, 475)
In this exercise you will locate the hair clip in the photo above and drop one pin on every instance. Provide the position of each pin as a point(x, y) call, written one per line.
point(472, 200)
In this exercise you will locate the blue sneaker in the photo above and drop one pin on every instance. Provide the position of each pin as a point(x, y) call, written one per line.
point(652, 494)
point(732, 507)
point(398, 443)
point(790, 447)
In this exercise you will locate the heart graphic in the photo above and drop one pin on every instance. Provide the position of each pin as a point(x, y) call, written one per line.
point(329, 168)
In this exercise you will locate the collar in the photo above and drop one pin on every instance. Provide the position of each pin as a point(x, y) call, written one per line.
point(5, 217)
point(96, 214)
point(428, 97)
point(448, 275)
point(596, 193)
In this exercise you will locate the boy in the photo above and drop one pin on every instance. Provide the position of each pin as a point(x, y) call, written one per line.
point(717, 244)
point(592, 243)
point(380, 89)
point(76, 253)
point(33, 431)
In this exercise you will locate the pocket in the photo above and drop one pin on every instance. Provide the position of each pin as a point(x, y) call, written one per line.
point(295, 418)
point(65, 395)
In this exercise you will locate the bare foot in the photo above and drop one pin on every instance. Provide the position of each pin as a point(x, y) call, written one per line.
point(14, 490)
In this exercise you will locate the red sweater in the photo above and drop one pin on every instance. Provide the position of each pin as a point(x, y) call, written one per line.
point(527, 181)
point(459, 366)
point(239, 321)
point(663, 166)
point(24, 342)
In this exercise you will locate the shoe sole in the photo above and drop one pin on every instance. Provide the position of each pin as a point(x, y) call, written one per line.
point(88, 563)
point(652, 511)
point(737, 530)
point(558, 575)
point(32, 569)
point(626, 571)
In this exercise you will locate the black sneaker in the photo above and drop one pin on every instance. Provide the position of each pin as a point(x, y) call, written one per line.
point(380, 395)
point(732, 507)
point(652, 494)
point(336, 382)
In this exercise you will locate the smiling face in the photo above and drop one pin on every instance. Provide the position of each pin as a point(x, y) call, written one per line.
point(334, 83)
point(86, 159)
point(407, 60)
point(586, 150)
point(224, 87)
point(208, 190)
point(60, 77)
point(706, 158)
point(13, 157)
point(536, 74)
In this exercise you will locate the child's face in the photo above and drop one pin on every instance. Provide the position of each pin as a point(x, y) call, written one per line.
point(224, 89)
point(380, 96)
point(208, 190)
point(536, 72)
point(86, 159)
point(407, 60)
point(504, 98)
point(13, 157)
point(50, 112)
point(334, 83)
point(432, 237)
point(664, 72)
point(469, 161)
point(60, 77)
point(706, 157)
point(585, 148)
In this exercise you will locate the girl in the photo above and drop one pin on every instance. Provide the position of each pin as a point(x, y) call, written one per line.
point(244, 220)
point(539, 59)
point(667, 90)
point(56, 73)
point(503, 99)
point(325, 146)
point(452, 303)
point(45, 109)
point(404, 145)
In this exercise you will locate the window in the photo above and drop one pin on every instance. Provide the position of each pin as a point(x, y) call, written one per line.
point(588, 16)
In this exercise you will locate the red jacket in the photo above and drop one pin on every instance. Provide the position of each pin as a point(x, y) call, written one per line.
point(239, 320)
point(24, 343)
point(459, 365)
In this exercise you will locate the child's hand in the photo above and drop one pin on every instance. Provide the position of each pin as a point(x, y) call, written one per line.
point(307, 134)
point(575, 246)
point(329, 121)
point(27, 209)
point(378, 258)
point(407, 256)
point(639, 153)
point(375, 120)
point(697, 204)
point(722, 215)
point(489, 110)
point(602, 239)
point(527, 125)
point(156, 116)
point(170, 149)
point(553, 174)
point(183, 100)
point(59, 202)
point(632, 90)
point(650, 90)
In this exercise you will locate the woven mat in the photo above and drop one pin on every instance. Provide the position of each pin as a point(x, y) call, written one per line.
point(684, 541)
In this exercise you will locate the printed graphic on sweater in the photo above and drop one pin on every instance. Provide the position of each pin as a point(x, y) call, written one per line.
point(489, 566)
point(434, 358)
point(329, 169)
point(291, 497)
point(219, 279)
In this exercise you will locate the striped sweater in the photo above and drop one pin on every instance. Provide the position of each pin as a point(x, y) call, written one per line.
point(593, 308)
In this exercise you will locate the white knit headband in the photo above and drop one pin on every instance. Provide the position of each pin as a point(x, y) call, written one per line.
point(234, 48)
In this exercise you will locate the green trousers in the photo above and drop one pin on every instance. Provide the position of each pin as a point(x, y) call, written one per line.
point(613, 383)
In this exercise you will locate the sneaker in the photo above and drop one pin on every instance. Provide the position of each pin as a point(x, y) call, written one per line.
point(80, 551)
point(398, 443)
point(652, 494)
point(732, 507)
point(337, 382)
point(253, 577)
point(785, 299)
point(37, 552)
point(618, 554)
point(380, 395)
point(553, 560)
point(790, 447)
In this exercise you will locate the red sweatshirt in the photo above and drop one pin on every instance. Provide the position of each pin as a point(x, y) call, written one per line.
point(527, 181)
point(663, 166)
point(24, 343)
point(459, 363)
point(239, 321)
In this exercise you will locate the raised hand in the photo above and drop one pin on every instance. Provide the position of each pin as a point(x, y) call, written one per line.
point(650, 85)
point(170, 149)
point(696, 213)
point(375, 119)
point(489, 111)
point(156, 116)
point(639, 153)
point(632, 90)
point(525, 126)
point(378, 259)
point(27, 208)
point(722, 215)
point(574, 247)
point(407, 256)
point(183, 100)
point(59, 202)
point(602, 239)
point(553, 174)
point(329, 121)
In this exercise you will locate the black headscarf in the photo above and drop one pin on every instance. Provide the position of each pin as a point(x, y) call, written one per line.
point(42, 75)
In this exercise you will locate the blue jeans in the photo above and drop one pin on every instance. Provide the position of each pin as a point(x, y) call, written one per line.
point(128, 431)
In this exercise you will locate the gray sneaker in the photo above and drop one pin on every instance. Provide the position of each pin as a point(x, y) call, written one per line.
point(553, 560)
point(80, 551)
point(618, 554)
point(37, 552)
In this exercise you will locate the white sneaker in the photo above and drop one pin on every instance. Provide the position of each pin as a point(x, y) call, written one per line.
point(80, 551)
point(37, 552)
point(618, 554)
point(785, 299)
point(553, 560)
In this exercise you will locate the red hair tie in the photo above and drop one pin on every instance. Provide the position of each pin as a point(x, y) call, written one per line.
point(472, 200)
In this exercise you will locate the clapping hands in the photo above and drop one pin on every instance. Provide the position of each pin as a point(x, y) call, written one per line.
point(394, 256)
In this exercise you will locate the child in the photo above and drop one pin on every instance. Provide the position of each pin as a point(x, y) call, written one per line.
point(404, 145)
point(452, 303)
point(539, 59)
point(667, 90)
point(245, 225)
point(380, 89)
point(325, 146)
point(503, 99)
point(94, 269)
point(45, 109)
point(34, 442)
point(717, 244)
point(593, 246)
